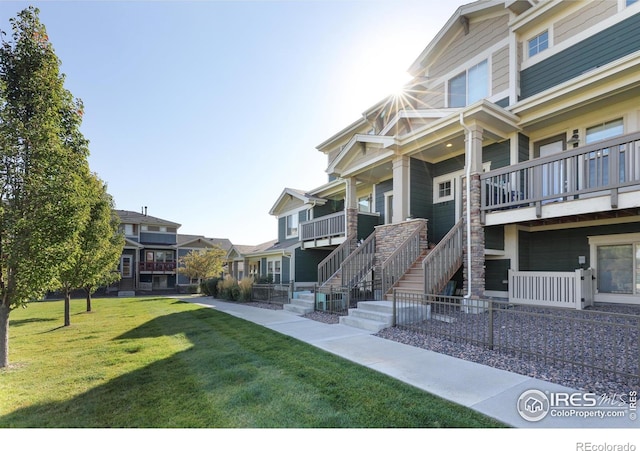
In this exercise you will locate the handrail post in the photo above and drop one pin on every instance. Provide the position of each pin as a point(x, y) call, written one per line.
point(393, 317)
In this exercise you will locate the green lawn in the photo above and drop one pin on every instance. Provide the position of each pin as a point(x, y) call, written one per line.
point(152, 362)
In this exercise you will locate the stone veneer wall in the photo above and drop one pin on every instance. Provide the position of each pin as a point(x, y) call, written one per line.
point(477, 240)
point(352, 222)
point(390, 236)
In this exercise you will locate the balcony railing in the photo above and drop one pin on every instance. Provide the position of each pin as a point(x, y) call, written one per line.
point(605, 167)
point(323, 227)
point(157, 266)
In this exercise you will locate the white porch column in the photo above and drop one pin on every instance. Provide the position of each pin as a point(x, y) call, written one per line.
point(400, 189)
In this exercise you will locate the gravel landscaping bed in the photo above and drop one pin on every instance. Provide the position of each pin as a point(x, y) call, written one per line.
point(555, 333)
point(264, 305)
point(530, 332)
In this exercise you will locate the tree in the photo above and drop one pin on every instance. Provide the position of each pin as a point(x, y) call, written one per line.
point(202, 264)
point(94, 258)
point(43, 169)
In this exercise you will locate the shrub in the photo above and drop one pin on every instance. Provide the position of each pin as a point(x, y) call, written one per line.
point(228, 289)
point(265, 280)
point(189, 289)
point(245, 288)
point(209, 287)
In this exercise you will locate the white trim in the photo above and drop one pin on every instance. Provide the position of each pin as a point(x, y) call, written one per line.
point(632, 239)
point(451, 178)
point(387, 217)
point(581, 36)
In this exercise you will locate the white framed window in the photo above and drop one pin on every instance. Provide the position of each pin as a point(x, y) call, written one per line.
point(469, 86)
point(539, 43)
point(616, 259)
point(274, 269)
point(364, 204)
point(292, 225)
point(605, 130)
point(444, 188)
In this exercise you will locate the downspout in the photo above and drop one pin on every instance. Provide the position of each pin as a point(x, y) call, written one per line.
point(467, 151)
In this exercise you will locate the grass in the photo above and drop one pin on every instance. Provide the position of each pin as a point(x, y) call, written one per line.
point(162, 363)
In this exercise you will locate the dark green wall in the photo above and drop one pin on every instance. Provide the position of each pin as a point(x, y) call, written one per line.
point(286, 269)
point(382, 188)
point(523, 148)
point(497, 154)
point(494, 237)
point(604, 47)
point(421, 188)
point(330, 207)
point(366, 225)
point(496, 271)
point(307, 262)
point(558, 250)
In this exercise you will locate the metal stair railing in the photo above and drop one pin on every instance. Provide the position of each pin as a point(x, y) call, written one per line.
point(332, 263)
point(357, 265)
point(398, 263)
point(443, 261)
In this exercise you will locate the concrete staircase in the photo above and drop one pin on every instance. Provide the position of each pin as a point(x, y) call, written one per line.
point(377, 315)
point(302, 303)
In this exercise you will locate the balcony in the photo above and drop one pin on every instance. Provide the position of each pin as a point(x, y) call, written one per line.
point(327, 230)
point(330, 230)
point(157, 267)
point(598, 177)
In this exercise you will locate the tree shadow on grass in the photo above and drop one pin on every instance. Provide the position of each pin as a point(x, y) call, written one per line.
point(22, 322)
point(234, 374)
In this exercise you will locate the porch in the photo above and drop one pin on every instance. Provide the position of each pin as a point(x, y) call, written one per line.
point(599, 177)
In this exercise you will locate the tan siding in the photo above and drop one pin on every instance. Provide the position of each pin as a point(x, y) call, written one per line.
point(500, 70)
point(434, 98)
point(591, 14)
point(482, 35)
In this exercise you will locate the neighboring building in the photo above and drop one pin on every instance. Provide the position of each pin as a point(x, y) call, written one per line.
point(151, 252)
point(196, 243)
point(538, 105)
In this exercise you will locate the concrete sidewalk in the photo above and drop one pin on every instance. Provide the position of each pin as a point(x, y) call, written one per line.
point(488, 390)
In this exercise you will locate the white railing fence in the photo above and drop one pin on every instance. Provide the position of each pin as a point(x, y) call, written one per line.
point(552, 289)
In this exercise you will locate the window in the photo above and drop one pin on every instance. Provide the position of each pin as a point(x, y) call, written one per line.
point(125, 266)
point(127, 229)
point(615, 269)
point(364, 204)
point(443, 188)
point(274, 269)
point(605, 131)
point(539, 43)
point(631, 2)
point(469, 86)
point(292, 225)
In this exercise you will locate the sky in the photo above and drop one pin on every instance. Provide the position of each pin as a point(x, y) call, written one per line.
point(205, 111)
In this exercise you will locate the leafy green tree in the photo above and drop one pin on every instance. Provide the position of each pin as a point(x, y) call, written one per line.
point(43, 169)
point(202, 264)
point(94, 258)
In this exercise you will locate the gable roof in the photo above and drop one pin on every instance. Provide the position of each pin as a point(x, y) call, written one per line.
point(186, 240)
point(289, 194)
point(132, 217)
point(456, 22)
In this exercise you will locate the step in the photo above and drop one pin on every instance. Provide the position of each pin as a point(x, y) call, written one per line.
point(297, 309)
point(126, 294)
point(363, 323)
point(302, 304)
